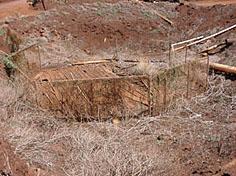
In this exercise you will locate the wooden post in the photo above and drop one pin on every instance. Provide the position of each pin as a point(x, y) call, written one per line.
point(28, 65)
point(91, 62)
point(19, 51)
point(40, 64)
point(207, 71)
point(187, 63)
point(157, 104)
point(169, 56)
point(186, 55)
point(165, 92)
point(150, 103)
point(91, 99)
point(187, 91)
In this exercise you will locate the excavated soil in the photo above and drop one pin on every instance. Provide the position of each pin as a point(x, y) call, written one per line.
point(127, 26)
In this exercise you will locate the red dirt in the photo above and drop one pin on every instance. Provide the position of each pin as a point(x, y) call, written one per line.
point(127, 25)
point(13, 165)
point(196, 21)
point(210, 2)
point(12, 8)
point(10, 164)
point(15, 8)
point(100, 29)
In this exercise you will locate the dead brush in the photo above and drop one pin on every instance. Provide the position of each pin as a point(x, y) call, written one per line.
point(8, 93)
point(99, 148)
point(144, 146)
point(106, 152)
point(145, 67)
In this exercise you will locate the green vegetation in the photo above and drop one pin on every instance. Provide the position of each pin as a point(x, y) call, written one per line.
point(7, 61)
point(147, 14)
point(156, 30)
point(2, 32)
point(9, 65)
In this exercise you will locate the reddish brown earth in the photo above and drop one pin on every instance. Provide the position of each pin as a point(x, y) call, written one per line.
point(210, 2)
point(114, 24)
point(128, 24)
point(15, 8)
point(204, 20)
point(11, 164)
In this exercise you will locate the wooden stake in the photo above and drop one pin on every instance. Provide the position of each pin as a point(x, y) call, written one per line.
point(185, 56)
point(91, 62)
point(224, 44)
point(164, 18)
point(19, 51)
point(207, 71)
point(44, 7)
point(165, 92)
point(91, 97)
point(40, 64)
point(187, 41)
point(149, 96)
point(170, 54)
point(187, 91)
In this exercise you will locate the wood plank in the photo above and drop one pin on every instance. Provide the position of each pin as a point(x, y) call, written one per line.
point(90, 62)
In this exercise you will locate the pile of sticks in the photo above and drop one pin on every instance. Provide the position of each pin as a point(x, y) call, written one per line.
point(200, 39)
point(215, 66)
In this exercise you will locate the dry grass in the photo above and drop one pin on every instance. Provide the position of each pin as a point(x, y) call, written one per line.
point(145, 146)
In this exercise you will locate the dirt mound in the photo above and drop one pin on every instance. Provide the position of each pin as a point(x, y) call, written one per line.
point(101, 25)
point(136, 26)
point(197, 21)
point(194, 21)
